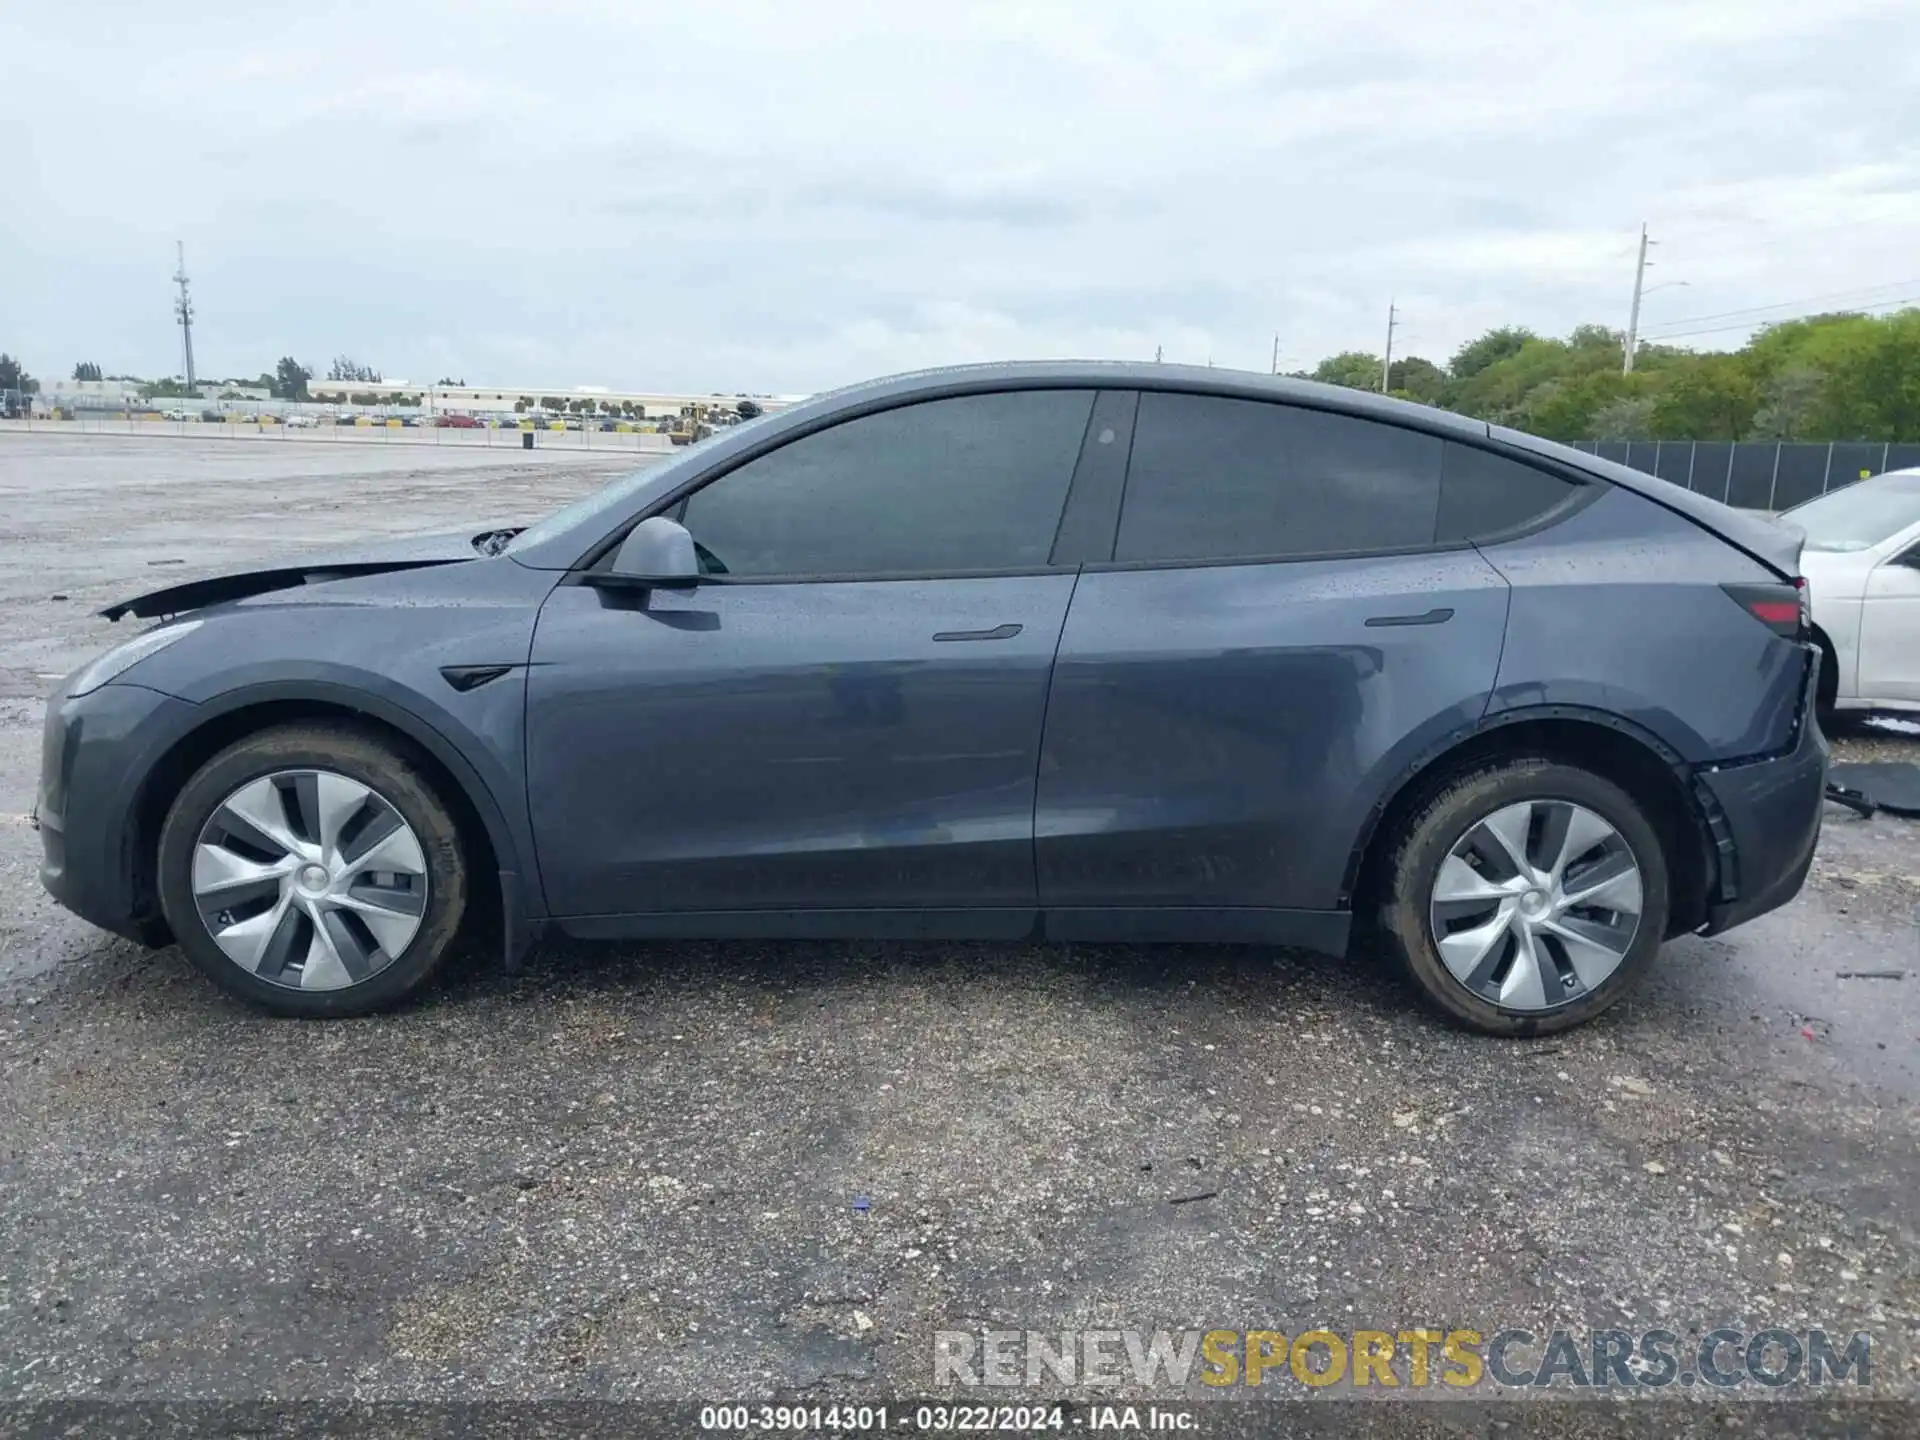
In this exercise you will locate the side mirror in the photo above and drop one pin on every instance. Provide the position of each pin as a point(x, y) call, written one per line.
point(657, 554)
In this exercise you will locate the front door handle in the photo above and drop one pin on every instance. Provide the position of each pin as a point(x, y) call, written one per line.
point(1436, 616)
point(999, 632)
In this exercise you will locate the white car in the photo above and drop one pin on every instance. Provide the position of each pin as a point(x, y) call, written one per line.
point(1862, 566)
point(301, 422)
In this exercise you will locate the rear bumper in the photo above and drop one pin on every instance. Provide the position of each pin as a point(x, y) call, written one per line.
point(1764, 820)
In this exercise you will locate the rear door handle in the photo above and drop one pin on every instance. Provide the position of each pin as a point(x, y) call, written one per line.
point(999, 632)
point(1437, 616)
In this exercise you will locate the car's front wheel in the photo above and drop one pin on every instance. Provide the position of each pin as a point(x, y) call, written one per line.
point(1525, 897)
point(312, 871)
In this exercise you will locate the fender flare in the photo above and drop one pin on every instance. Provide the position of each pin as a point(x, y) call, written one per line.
point(1492, 723)
point(522, 910)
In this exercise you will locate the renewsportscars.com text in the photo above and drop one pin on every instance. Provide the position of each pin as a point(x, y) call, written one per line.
point(1411, 1358)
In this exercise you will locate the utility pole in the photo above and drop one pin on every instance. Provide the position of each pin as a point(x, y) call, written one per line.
point(1156, 354)
point(1276, 356)
point(1386, 365)
point(1633, 316)
point(183, 308)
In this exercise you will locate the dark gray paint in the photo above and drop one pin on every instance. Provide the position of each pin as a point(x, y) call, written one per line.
point(784, 745)
point(1618, 610)
point(906, 757)
point(375, 643)
point(1212, 726)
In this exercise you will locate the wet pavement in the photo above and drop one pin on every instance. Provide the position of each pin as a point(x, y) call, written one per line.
point(729, 1171)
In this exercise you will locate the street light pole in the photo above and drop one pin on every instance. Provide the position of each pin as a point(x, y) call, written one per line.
point(1386, 364)
point(1633, 317)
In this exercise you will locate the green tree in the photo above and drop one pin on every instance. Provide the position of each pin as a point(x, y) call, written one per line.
point(86, 370)
point(13, 376)
point(290, 379)
point(345, 367)
point(1787, 404)
point(1598, 339)
point(520, 406)
point(553, 403)
point(747, 410)
point(1567, 409)
point(1706, 397)
point(1412, 379)
point(1491, 348)
point(1354, 369)
point(1872, 389)
point(1629, 418)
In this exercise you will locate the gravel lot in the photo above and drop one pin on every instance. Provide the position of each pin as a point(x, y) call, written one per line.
point(632, 1171)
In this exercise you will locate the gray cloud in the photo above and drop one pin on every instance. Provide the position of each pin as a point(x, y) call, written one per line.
point(749, 194)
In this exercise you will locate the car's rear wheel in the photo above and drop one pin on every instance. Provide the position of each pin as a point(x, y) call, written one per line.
point(1525, 897)
point(312, 871)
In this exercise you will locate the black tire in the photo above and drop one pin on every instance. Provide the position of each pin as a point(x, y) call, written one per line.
point(359, 756)
point(1462, 801)
point(1827, 689)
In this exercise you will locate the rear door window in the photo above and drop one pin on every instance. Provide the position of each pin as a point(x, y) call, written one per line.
point(1214, 478)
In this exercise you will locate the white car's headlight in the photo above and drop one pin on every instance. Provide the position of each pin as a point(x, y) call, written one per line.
point(122, 657)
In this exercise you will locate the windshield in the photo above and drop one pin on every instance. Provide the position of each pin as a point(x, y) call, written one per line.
point(616, 499)
point(1862, 515)
point(609, 499)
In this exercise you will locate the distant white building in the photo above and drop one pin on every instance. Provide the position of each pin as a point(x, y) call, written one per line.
point(89, 394)
point(502, 399)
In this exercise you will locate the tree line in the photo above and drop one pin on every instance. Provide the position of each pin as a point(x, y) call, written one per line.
point(1826, 377)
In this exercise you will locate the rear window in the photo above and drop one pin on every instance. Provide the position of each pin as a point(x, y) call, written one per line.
point(1223, 479)
point(1483, 494)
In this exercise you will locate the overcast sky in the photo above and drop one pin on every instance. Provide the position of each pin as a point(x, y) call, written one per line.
point(729, 195)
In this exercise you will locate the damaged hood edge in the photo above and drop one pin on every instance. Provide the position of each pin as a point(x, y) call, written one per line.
point(412, 553)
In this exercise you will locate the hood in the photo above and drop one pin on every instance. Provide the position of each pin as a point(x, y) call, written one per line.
point(379, 557)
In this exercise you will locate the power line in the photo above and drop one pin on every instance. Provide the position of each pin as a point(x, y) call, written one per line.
point(1903, 212)
point(1859, 290)
point(1785, 319)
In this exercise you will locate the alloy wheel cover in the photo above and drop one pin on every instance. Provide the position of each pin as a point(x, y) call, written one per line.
point(1536, 905)
point(311, 880)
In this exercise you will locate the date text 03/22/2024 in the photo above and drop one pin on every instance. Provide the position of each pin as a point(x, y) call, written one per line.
point(945, 1419)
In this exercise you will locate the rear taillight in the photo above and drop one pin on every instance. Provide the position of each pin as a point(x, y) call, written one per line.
point(1783, 609)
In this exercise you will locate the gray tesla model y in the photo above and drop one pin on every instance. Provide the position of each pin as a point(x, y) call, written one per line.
point(1074, 651)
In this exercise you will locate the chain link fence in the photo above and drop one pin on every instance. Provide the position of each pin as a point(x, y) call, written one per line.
point(1758, 474)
